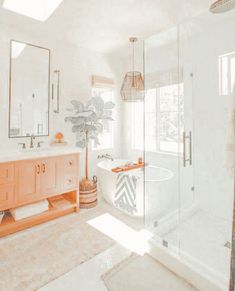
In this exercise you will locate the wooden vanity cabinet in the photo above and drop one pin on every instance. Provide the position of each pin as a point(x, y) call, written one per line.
point(43, 178)
point(50, 173)
point(7, 188)
point(69, 177)
point(7, 196)
point(28, 181)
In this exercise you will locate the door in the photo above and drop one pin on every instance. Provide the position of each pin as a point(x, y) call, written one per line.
point(207, 56)
point(186, 125)
point(29, 180)
point(50, 177)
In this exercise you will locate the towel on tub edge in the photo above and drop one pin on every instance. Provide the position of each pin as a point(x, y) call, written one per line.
point(125, 195)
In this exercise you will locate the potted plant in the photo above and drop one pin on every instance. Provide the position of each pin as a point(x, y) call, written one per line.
point(87, 124)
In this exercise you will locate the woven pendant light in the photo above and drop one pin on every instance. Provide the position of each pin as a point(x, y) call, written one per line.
point(133, 85)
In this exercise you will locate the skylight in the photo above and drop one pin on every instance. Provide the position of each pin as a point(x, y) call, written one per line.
point(38, 9)
point(16, 49)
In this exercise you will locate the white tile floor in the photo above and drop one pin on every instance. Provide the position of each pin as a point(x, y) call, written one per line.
point(87, 276)
point(203, 237)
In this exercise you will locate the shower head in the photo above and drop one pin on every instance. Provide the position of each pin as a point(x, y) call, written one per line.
point(221, 6)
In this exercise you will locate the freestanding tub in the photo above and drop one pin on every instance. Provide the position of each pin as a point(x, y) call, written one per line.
point(152, 176)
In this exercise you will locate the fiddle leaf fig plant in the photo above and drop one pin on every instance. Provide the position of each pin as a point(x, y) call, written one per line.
point(88, 121)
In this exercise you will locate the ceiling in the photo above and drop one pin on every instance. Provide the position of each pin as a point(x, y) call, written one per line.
point(106, 25)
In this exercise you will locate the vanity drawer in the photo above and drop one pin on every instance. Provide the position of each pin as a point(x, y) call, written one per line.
point(70, 182)
point(70, 164)
point(6, 173)
point(7, 196)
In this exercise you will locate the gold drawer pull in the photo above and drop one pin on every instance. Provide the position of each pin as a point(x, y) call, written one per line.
point(70, 163)
point(70, 180)
point(43, 168)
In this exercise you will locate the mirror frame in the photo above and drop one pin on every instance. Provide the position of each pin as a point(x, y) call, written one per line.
point(10, 89)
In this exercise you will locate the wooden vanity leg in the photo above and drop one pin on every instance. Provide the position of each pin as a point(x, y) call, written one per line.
point(77, 199)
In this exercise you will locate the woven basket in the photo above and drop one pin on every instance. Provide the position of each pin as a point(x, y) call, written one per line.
point(88, 193)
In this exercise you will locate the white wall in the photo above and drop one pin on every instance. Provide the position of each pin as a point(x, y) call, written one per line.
point(76, 65)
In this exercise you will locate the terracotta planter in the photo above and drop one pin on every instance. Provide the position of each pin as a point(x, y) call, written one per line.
point(88, 193)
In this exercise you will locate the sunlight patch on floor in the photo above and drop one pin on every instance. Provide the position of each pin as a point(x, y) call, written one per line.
point(136, 241)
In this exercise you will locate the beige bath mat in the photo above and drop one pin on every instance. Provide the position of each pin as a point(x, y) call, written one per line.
point(142, 273)
point(32, 258)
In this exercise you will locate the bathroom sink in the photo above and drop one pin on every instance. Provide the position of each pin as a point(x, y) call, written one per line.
point(38, 150)
point(24, 154)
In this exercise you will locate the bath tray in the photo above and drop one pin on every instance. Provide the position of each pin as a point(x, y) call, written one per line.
point(128, 168)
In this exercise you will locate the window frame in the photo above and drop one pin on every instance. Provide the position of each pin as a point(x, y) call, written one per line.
point(158, 122)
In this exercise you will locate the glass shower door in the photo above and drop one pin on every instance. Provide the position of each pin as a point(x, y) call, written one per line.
point(207, 57)
point(189, 141)
point(163, 103)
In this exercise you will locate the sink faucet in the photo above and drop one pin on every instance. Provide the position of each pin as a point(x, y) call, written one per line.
point(105, 156)
point(32, 138)
point(23, 145)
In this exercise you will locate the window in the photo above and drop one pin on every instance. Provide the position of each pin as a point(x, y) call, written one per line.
point(163, 119)
point(170, 117)
point(226, 73)
point(106, 138)
point(137, 125)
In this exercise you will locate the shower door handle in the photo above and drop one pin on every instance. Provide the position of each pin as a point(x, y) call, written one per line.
point(184, 149)
point(185, 159)
point(190, 149)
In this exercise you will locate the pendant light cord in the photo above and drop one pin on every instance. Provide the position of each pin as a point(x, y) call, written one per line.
point(133, 57)
point(133, 63)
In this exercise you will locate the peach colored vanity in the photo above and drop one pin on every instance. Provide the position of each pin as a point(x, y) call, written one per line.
point(28, 180)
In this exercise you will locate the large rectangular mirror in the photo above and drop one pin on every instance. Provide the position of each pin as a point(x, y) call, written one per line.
point(29, 90)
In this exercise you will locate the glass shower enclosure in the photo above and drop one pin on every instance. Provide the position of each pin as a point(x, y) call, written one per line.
point(189, 140)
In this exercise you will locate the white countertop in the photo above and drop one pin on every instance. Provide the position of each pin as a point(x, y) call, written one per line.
point(28, 154)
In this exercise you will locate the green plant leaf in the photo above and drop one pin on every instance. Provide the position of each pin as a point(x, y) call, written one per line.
point(81, 144)
point(78, 128)
point(109, 105)
point(99, 127)
point(78, 105)
point(97, 105)
point(85, 114)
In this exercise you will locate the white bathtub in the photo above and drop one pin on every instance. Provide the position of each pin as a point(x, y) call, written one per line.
point(154, 176)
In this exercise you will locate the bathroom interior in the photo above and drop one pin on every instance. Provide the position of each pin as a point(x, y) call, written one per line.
point(117, 145)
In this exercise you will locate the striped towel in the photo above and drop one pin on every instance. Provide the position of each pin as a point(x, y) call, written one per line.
point(125, 196)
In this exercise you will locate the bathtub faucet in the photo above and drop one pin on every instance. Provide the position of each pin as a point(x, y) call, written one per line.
point(105, 156)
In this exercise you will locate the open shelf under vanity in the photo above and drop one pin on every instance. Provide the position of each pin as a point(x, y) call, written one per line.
point(58, 205)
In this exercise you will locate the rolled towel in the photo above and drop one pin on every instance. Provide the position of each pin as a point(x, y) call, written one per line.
point(29, 210)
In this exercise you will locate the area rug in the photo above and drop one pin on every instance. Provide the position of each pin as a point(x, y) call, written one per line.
point(141, 273)
point(34, 257)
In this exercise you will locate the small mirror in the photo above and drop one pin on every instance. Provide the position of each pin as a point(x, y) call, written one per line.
point(29, 90)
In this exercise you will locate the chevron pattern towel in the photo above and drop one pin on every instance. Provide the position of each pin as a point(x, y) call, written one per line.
point(125, 196)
